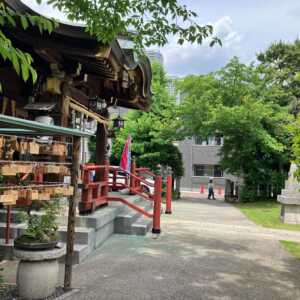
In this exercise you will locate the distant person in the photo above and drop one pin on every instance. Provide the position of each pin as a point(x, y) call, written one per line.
point(211, 189)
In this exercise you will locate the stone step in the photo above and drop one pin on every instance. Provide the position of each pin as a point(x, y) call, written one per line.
point(141, 226)
point(290, 192)
point(92, 230)
point(81, 252)
point(102, 216)
point(15, 216)
point(83, 236)
point(15, 229)
point(291, 200)
point(6, 250)
point(124, 221)
point(292, 184)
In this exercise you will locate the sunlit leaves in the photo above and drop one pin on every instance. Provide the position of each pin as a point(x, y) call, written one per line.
point(145, 22)
point(21, 61)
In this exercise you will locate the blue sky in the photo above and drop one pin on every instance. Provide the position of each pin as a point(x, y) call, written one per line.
point(245, 27)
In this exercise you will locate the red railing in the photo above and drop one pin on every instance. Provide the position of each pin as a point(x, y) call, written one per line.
point(95, 190)
point(169, 184)
point(94, 187)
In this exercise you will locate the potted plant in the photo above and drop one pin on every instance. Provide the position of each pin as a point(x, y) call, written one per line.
point(37, 250)
point(41, 231)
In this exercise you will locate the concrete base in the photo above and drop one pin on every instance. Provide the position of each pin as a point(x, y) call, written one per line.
point(37, 274)
point(37, 280)
point(290, 214)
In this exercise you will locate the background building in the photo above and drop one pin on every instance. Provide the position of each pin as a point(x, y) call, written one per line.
point(172, 88)
point(201, 162)
point(201, 158)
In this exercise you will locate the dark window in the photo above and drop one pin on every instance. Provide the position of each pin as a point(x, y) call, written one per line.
point(211, 140)
point(199, 170)
point(218, 172)
point(200, 141)
point(208, 170)
point(218, 140)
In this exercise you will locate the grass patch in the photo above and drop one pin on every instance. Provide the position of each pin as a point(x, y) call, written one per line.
point(292, 247)
point(266, 214)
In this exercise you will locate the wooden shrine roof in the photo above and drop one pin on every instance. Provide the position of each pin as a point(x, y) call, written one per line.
point(107, 61)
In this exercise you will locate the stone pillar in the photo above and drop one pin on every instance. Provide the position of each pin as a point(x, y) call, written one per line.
point(290, 199)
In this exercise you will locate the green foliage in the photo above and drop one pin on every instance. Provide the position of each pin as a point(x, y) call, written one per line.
point(295, 129)
point(291, 247)
point(145, 22)
point(41, 228)
point(265, 213)
point(154, 132)
point(283, 61)
point(241, 103)
point(21, 61)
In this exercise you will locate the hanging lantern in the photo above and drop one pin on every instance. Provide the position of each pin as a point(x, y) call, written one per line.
point(119, 122)
point(97, 104)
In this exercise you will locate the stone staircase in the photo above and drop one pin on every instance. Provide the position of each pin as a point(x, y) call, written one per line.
point(91, 230)
point(131, 222)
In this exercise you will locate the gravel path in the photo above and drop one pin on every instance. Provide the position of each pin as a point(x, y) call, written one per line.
point(208, 250)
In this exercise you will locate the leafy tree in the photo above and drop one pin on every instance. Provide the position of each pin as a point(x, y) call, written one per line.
point(284, 58)
point(282, 62)
point(154, 132)
point(21, 61)
point(295, 129)
point(145, 22)
point(240, 103)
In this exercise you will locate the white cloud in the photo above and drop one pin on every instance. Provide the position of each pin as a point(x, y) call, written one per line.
point(49, 11)
point(44, 9)
point(181, 59)
point(194, 58)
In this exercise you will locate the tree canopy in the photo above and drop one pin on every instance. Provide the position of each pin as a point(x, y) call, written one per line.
point(145, 22)
point(282, 60)
point(241, 103)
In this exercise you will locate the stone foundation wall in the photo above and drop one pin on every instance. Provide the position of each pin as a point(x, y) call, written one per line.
point(290, 214)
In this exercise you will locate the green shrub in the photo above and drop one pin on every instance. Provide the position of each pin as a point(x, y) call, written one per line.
point(248, 194)
point(41, 228)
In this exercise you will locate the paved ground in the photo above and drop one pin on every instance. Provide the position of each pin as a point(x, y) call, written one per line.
point(208, 250)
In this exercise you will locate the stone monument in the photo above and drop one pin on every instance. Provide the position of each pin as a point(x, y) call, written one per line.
point(290, 199)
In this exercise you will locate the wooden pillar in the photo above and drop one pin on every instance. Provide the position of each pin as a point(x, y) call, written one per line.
point(72, 214)
point(169, 191)
point(101, 144)
point(64, 107)
point(132, 179)
point(8, 220)
point(157, 202)
point(64, 122)
point(101, 148)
